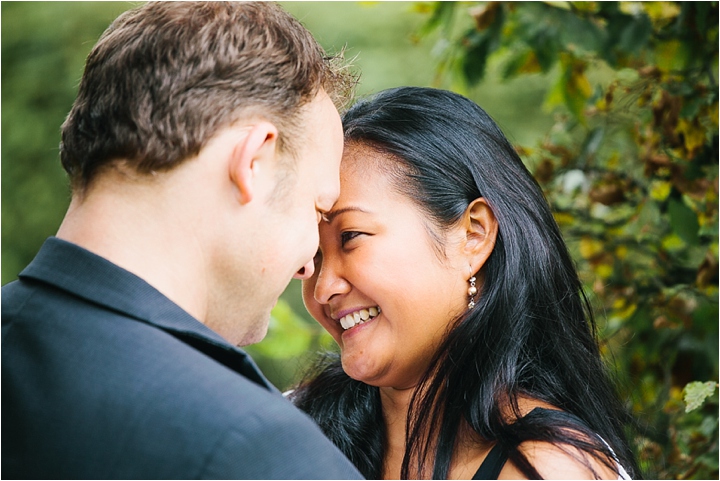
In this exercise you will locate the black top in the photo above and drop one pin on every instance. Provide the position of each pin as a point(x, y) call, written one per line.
point(104, 377)
point(498, 456)
point(493, 463)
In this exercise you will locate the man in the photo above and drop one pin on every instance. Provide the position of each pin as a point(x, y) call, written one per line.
point(202, 149)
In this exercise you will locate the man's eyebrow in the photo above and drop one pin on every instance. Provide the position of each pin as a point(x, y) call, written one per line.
point(330, 216)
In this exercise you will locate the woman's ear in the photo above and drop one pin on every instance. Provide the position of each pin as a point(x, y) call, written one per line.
point(481, 230)
point(246, 159)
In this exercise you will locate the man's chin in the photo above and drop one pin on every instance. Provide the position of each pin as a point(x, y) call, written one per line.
point(257, 334)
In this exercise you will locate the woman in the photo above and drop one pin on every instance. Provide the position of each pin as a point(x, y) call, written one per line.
point(467, 347)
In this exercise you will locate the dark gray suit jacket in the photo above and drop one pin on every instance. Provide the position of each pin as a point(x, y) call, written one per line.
point(104, 377)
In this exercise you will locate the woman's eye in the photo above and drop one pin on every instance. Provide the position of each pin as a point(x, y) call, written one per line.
point(347, 237)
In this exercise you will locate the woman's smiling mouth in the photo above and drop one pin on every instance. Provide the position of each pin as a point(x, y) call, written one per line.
point(358, 317)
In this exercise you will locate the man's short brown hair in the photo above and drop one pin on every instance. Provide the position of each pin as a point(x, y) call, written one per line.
point(164, 77)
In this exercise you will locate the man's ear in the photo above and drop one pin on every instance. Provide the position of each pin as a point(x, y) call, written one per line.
point(481, 230)
point(259, 144)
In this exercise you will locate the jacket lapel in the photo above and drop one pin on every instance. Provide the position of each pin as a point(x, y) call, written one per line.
point(95, 279)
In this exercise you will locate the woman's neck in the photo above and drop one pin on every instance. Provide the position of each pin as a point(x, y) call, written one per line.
point(468, 453)
point(395, 404)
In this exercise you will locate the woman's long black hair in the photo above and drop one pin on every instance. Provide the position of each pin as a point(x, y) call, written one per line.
point(531, 334)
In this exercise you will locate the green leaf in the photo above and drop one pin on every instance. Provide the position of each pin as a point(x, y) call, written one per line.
point(697, 392)
point(442, 13)
point(475, 59)
point(480, 44)
point(579, 34)
point(546, 47)
point(635, 34)
point(684, 221)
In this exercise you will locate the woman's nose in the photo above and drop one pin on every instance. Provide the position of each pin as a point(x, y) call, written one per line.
point(329, 283)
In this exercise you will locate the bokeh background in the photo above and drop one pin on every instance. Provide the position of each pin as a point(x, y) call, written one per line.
point(612, 105)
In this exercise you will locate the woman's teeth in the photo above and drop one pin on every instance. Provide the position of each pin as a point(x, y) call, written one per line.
point(358, 317)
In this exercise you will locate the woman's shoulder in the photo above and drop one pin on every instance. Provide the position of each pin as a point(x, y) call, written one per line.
point(561, 461)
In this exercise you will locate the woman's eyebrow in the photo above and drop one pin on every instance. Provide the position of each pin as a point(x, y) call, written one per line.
point(330, 216)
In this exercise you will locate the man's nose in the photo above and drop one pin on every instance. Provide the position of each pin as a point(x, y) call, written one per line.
point(305, 271)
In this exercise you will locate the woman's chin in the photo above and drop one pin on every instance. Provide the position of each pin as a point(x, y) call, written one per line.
point(360, 368)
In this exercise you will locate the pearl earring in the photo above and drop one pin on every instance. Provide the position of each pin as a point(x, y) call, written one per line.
point(472, 290)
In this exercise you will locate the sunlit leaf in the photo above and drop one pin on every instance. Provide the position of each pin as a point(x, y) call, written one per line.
point(660, 190)
point(590, 247)
point(563, 218)
point(693, 133)
point(604, 271)
point(626, 312)
point(661, 13)
point(671, 55)
point(521, 63)
point(673, 242)
point(572, 88)
point(586, 7)
point(559, 4)
point(697, 392)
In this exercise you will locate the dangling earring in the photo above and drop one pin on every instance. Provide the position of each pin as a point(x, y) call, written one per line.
point(472, 290)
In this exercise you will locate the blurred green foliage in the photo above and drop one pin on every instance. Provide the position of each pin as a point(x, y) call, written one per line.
point(44, 45)
point(613, 106)
point(631, 169)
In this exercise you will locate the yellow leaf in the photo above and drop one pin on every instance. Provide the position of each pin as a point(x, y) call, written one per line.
point(590, 247)
point(660, 12)
point(694, 134)
point(554, 97)
point(614, 161)
point(601, 104)
point(702, 219)
point(530, 65)
point(660, 190)
point(673, 242)
point(671, 55)
point(560, 5)
point(604, 270)
point(589, 7)
point(627, 312)
point(579, 83)
point(563, 218)
point(621, 252)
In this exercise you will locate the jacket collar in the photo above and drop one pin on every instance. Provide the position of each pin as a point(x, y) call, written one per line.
point(78, 271)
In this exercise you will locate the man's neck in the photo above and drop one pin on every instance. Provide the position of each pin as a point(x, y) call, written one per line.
point(132, 228)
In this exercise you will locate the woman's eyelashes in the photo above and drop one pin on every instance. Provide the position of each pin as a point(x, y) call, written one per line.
point(347, 236)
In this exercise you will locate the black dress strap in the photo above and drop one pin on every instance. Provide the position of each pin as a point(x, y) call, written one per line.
point(498, 455)
point(493, 463)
